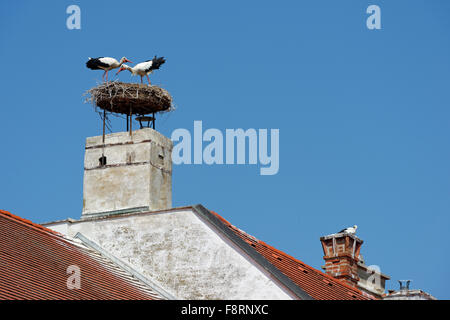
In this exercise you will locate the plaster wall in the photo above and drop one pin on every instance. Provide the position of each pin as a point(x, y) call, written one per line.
point(181, 253)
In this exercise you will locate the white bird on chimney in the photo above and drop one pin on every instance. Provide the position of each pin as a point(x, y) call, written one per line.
point(350, 230)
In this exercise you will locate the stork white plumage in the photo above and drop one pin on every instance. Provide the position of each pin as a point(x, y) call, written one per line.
point(143, 68)
point(105, 63)
point(351, 230)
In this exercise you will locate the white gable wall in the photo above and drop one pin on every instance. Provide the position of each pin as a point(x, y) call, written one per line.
point(182, 253)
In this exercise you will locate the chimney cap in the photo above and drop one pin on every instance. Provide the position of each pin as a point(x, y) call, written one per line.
point(404, 284)
point(341, 235)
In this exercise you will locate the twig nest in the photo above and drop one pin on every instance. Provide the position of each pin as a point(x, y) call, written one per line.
point(121, 97)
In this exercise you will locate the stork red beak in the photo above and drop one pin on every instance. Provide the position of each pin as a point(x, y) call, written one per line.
point(119, 71)
point(126, 60)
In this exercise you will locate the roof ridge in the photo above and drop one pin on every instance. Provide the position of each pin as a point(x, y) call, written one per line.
point(289, 256)
point(233, 226)
point(224, 227)
point(29, 223)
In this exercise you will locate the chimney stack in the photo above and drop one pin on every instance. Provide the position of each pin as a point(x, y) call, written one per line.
point(127, 172)
point(405, 293)
point(341, 255)
point(404, 285)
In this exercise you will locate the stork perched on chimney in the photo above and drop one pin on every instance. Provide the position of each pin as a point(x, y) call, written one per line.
point(105, 63)
point(351, 230)
point(143, 68)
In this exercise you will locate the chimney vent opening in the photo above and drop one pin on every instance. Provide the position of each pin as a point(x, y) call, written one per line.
point(102, 161)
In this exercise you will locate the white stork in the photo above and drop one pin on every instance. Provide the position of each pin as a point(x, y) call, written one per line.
point(351, 230)
point(144, 68)
point(105, 63)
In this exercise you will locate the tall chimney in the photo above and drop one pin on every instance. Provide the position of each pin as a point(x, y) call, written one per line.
point(127, 172)
point(341, 255)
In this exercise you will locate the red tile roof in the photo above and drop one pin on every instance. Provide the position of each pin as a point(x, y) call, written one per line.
point(34, 262)
point(317, 284)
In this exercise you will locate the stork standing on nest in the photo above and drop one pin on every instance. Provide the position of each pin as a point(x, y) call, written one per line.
point(105, 63)
point(143, 68)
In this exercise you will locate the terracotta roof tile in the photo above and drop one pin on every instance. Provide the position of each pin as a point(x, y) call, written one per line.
point(34, 262)
point(314, 282)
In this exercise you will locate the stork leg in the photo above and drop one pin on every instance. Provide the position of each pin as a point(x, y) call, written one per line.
point(103, 76)
point(141, 80)
point(148, 80)
point(106, 75)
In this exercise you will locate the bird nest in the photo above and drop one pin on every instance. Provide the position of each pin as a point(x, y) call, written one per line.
point(129, 98)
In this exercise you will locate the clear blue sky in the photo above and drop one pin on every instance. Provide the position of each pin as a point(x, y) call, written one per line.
point(363, 116)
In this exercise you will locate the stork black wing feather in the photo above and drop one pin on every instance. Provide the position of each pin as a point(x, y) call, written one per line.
point(96, 64)
point(157, 62)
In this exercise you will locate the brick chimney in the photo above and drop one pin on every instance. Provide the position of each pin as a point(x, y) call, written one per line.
point(341, 255)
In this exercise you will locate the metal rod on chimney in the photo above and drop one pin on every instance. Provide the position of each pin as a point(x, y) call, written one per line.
point(131, 121)
point(104, 120)
point(154, 120)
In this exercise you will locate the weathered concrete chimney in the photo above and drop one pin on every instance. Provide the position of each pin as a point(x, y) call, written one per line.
point(341, 255)
point(371, 279)
point(127, 173)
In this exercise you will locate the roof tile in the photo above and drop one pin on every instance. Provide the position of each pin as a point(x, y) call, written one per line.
point(34, 262)
point(314, 282)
